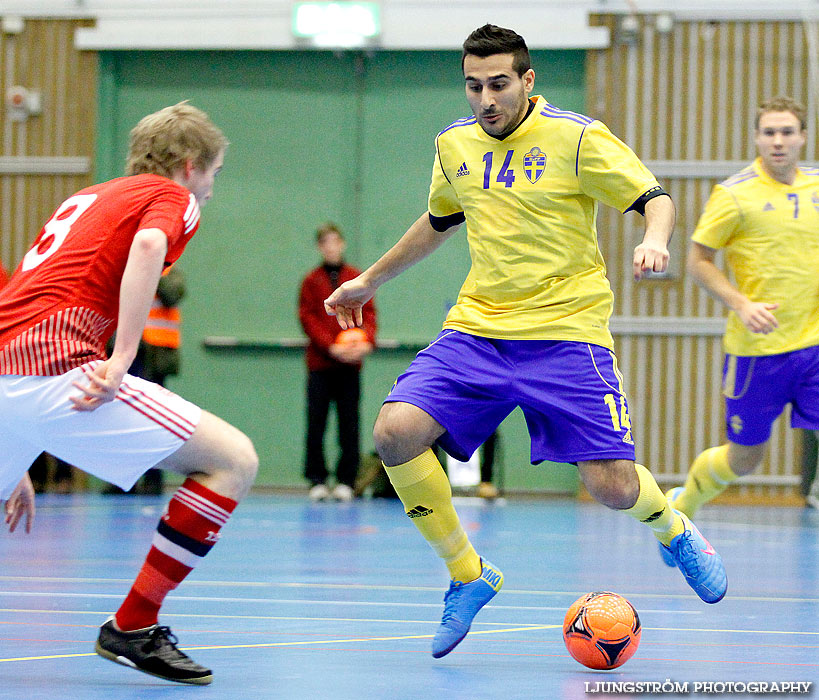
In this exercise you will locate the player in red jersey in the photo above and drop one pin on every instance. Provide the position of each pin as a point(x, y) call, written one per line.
point(93, 268)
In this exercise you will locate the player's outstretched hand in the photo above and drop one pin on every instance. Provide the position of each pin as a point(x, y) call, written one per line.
point(649, 257)
point(345, 302)
point(20, 503)
point(757, 316)
point(100, 386)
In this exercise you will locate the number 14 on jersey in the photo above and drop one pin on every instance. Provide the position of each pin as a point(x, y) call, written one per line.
point(506, 175)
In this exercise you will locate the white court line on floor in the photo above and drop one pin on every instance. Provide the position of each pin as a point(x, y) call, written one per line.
point(386, 604)
point(533, 626)
point(299, 601)
point(295, 618)
point(380, 587)
point(279, 618)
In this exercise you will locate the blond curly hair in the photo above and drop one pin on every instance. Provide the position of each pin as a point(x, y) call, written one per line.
point(162, 142)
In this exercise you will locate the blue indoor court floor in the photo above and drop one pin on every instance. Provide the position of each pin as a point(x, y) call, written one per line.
point(340, 601)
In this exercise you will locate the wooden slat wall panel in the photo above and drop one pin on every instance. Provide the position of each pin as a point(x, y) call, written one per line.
point(43, 57)
point(690, 94)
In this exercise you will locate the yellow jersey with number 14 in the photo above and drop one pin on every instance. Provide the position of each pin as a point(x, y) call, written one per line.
point(530, 203)
point(770, 232)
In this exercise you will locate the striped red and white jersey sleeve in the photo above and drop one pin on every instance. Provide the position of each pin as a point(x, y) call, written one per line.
point(56, 344)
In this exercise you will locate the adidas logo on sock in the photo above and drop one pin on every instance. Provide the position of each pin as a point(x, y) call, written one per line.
point(463, 170)
point(419, 512)
point(651, 518)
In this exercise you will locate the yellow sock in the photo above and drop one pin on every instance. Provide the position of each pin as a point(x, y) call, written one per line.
point(653, 510)
point(424, 489)
point(709, 476)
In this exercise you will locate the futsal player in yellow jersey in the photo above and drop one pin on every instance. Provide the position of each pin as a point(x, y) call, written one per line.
point(766, 218)
point(530, 327)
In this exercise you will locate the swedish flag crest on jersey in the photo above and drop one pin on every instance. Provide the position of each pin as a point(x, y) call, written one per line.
point(534, 163)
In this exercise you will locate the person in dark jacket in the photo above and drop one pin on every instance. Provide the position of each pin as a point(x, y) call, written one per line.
point(334, 362)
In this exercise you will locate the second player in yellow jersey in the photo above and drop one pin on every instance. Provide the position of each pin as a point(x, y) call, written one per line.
point(766, 218)
point(770, 232)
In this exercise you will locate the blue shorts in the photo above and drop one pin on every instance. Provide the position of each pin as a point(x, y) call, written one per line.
point(570, 392)
point(756, 390)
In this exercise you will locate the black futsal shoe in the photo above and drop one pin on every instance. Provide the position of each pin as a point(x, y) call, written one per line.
point(151, 650)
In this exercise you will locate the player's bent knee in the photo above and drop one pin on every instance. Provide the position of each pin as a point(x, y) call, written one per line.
point(744, 459)
point(383, 436)
point(238, 473)
point(244, 461)
point(613, 483)
point(617, 498)
point(403, 431)
point(221, 451)
point(392, 436)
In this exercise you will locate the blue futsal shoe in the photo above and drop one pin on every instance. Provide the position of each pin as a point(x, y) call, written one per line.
point(699, 562)
point(668, 558)
point(461, 603)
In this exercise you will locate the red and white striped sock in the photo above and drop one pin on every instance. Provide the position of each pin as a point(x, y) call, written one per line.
point(185, 534)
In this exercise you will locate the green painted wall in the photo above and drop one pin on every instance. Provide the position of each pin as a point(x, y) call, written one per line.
point(314, 136)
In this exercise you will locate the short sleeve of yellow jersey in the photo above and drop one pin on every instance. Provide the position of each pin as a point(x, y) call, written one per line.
point(609, 171)
point(719, 220)
point(442, 198)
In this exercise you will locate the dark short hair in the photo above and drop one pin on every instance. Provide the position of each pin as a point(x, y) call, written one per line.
point(783, 104)
point(489, 40)
point(326, 229)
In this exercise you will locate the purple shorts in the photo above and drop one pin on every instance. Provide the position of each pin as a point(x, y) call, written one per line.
point(570, 393)
point(756, 390)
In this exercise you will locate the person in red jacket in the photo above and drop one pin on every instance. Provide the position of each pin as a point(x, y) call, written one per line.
point(334, 367)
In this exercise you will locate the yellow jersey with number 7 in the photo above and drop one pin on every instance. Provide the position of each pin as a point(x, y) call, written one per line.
point(770, 233)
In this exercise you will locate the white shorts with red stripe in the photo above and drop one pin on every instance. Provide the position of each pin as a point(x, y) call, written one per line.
point(117, 442)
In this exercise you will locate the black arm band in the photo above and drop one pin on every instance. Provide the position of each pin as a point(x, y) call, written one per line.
point(640, 204)
point(442, 223)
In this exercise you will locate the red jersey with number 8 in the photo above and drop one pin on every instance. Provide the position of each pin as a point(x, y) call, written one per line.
point(61, 305)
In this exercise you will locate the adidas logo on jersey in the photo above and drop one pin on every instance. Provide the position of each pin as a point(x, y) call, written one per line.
point(768, 207)
point(419, 512)
point(463, 170)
